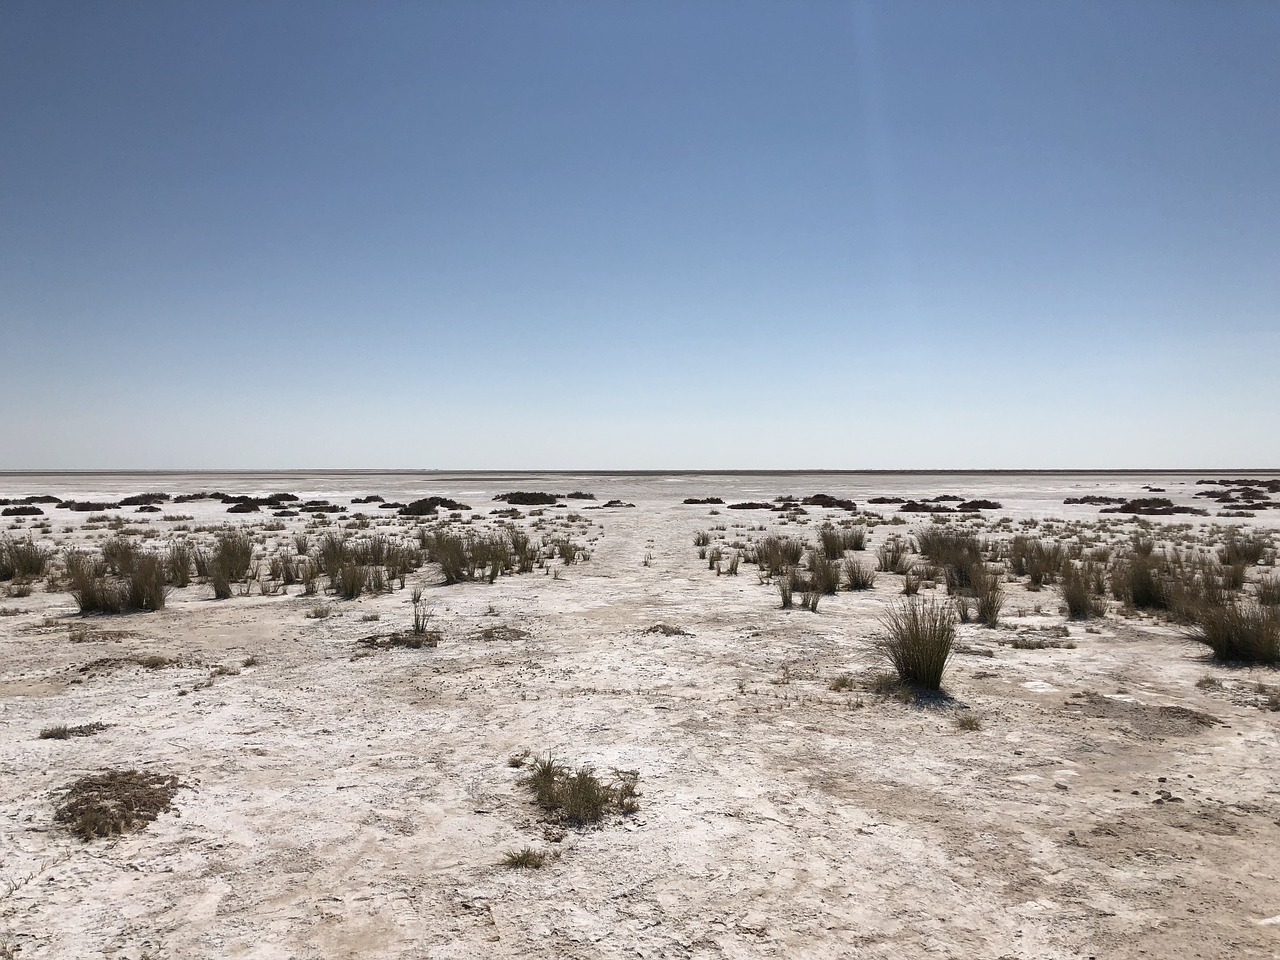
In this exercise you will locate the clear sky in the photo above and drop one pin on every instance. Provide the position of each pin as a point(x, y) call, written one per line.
point(639, 235)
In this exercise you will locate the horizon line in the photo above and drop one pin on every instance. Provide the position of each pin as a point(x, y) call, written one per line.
point(369, 471)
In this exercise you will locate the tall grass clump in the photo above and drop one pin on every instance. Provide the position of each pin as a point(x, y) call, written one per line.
point(1240, 632)
point(470, 557)
point(97, 591)
point(233, 553)
point(918, 638)
point(524, 551)
point(775, 554)
point(178, 563)
point(858, 577)
point(351, 580)
point(1241, 550)
point(1269, 591)
point(893, 556)
point(22, 559)
point(785, 589)
point(1035, 559)
point(1078, 595)
point(987, 592)
point(957, 552)
point(1138, 580)
point(836, 540)
point(824, 574)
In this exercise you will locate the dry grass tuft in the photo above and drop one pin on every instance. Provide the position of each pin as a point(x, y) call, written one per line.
point(115, 802)
point(526, 859)
point(918, 638)
point(578, 796)
point(64, 732)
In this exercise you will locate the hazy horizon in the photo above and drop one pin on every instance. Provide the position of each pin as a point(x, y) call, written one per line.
point(850, 236)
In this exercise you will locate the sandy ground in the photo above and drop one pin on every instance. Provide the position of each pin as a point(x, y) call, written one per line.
point(341, 803)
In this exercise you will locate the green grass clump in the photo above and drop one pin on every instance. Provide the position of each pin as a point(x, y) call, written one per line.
point(578, 796)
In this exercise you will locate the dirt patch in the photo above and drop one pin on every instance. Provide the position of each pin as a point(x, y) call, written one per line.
point(408, 641)
point(107, 665)
point(499, 633)
point(1145, 720)
point(668, 630)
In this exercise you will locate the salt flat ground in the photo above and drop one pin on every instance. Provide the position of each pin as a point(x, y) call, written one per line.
point(346, 803)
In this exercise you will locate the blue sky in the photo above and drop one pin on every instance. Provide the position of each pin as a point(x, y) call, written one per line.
point(640, 235)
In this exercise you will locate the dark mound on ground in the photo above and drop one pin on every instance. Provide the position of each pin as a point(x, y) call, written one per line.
point(750, 505)
point(429, 505)
point(886, 500)
point(971, 505)
point(1093, 500)
point(927, 506)
point(144, 499)
point(699, 501)
point(1271, 486)
point(87, 506)
point(193, 497)
point(371, 498)
point(21, 512)
point(830, 502)
point(534, 498)
point(1154, 507)
point(321, 506)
